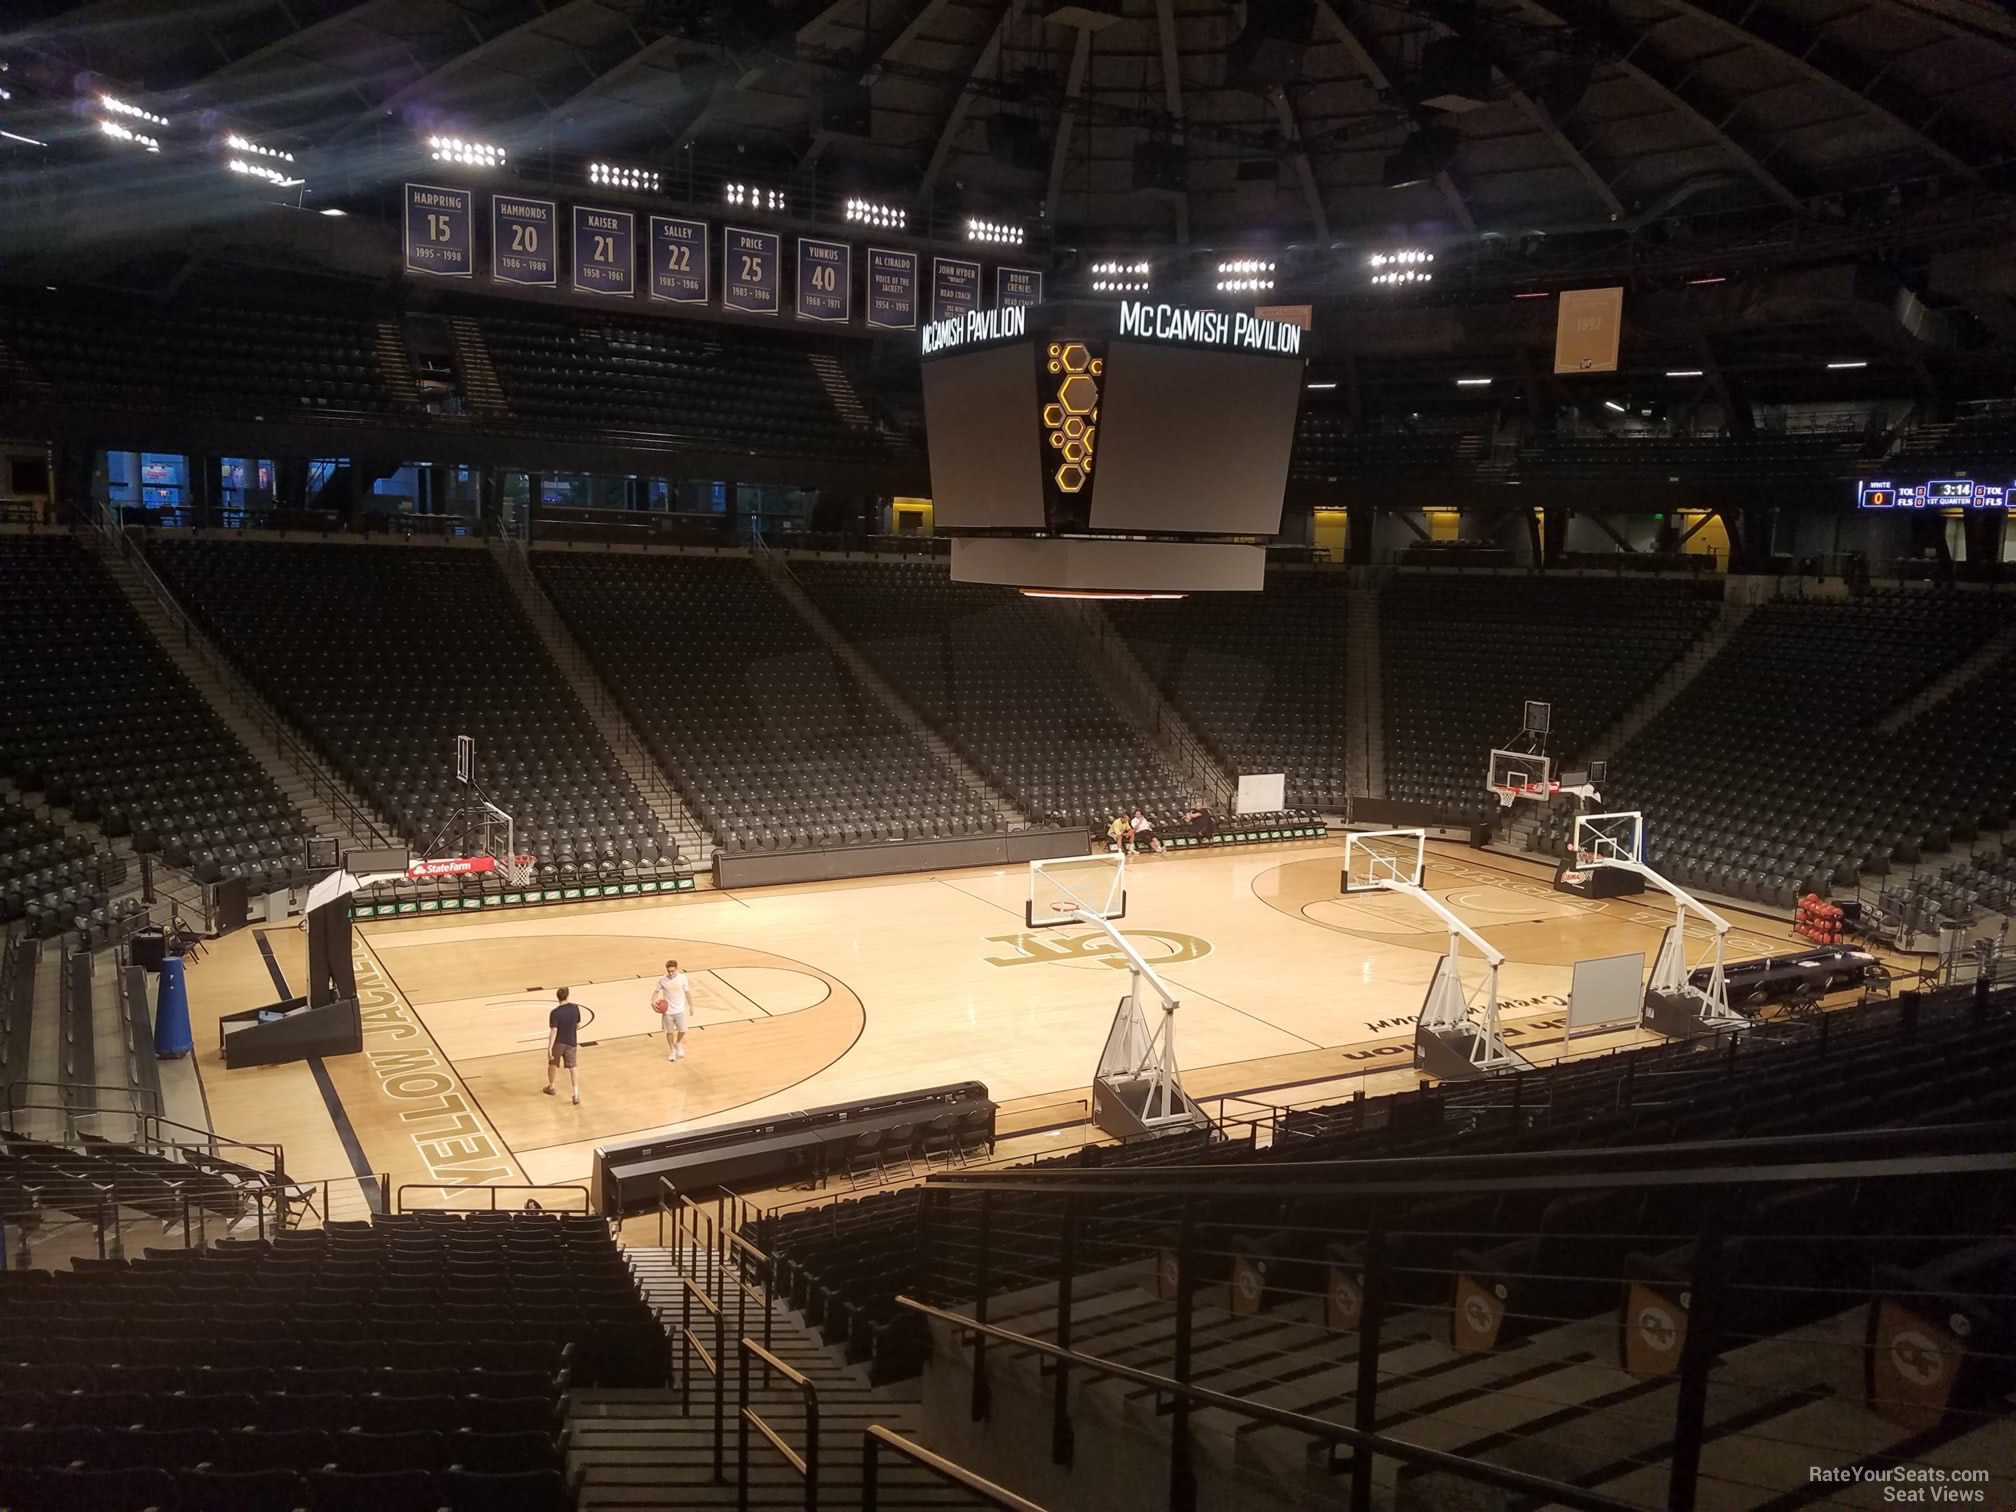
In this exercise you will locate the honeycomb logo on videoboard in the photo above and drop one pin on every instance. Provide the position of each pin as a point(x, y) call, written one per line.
point(1072, 417)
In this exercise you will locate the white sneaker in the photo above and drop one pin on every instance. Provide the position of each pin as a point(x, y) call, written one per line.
point(671, 1055)
point(679, 1053)
point(577, 1099)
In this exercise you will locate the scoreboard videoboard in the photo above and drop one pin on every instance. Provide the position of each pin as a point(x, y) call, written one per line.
point(1934, 493)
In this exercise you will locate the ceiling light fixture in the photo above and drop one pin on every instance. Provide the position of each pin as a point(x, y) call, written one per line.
point(1683, 373)
point(1836, 366)
point(444, 149)
point(617, 176)
point(123, 134)
point(1613, 405)
point(1718, 278)
point(238, 144)
point(978, 230)
point(754, 197)
point(1319, 385)
point(869, 212)
point(120, 107)
point(1473, 383)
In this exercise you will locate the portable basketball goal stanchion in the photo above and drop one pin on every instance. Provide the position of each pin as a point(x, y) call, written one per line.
point(1522, 769)
point(478, 836)
point(1675, 1005)
point(1458, 1035)
point(1136, 1087)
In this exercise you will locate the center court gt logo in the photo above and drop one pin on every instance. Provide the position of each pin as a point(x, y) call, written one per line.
point(1163, 947)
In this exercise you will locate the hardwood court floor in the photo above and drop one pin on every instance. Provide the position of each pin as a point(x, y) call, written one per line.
point(824, 992)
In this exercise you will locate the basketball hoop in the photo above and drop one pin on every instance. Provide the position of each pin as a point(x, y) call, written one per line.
point(517, 870)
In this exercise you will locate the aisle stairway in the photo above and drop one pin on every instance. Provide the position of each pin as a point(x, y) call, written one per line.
point(330, 805)
point(1365, 756)
point(1674, 682)
point(777, 571)
point(696, 847)
point(634, 1449)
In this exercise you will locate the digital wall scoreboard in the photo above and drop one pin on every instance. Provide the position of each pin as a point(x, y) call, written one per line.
point(1934, 493)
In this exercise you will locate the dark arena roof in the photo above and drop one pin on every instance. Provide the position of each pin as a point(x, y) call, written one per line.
point(1779, 184)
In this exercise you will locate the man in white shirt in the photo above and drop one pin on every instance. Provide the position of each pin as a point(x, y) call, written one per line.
point(671, 997)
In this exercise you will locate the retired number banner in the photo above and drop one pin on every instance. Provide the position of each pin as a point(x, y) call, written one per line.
point(524, 241)
point(678, 260)
point(892, 289)
point(825, 279)
point(605, 258)
point(751, 279)
point(955, 287)
point(439, 237)
point(1017, 286)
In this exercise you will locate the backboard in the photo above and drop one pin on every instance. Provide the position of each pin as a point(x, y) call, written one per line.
point(1063, 888)
point(1536, 718)
point(1519, 774)
point(1381, 856)
point(1610, 837)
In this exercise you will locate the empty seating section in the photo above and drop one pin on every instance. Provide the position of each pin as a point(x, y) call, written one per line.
point(1974, 440)
point(47, 876)
point(233, 358)
point(670, 379)
point(760, 723)
point(95, 719)
point(1327, 448)
point(1259, 676)
point(1822, 454)
point(384, 654)
point(1459, 655)
point(1548, 1382)
point(999, 676)
point(415, 1363)
point(91, 1180)
point(1767, 776)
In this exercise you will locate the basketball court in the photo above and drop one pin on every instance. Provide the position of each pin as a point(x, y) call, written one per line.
point(1291, 993)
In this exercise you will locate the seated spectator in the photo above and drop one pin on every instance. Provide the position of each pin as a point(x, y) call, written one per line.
point(1120, 834)
point(1200, 822)
point(1144, 833)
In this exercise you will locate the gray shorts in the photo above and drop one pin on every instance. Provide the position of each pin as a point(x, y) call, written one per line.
point(675, 1020)
point(564, 1055)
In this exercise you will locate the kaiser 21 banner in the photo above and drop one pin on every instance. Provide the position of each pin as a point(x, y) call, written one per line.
point(605, 255)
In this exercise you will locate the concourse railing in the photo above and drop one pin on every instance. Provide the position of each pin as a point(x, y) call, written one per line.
point(1650, 1317)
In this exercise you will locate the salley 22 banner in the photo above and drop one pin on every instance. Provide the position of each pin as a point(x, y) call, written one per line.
point(678, 260)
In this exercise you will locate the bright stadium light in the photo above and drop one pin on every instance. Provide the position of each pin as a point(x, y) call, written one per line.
point(331, 210)
point(1837, 366)
point(1612, 404)
point(871, 213)
point(244, 148)
point(1325, 385)
point(1683, 372)
point(1403, 276)
point(616, 176)
point(997, 232)
point(1473, 383)
point(125, 134)
point(1116, 277)
point(445, 149)
point(120, 107)
point(272, 176)
point(754, 197)
point(1243, 274)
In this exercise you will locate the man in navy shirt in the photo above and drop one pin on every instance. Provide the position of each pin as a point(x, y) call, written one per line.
point(563, 1028)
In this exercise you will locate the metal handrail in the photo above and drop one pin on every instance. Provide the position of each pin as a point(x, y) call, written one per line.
point(689, 1341)
point(806, 1464)
point(8, 1103)
point(1792, 1158)
point(399, 1196)
point(1331, 1433)
point(875, 1438)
